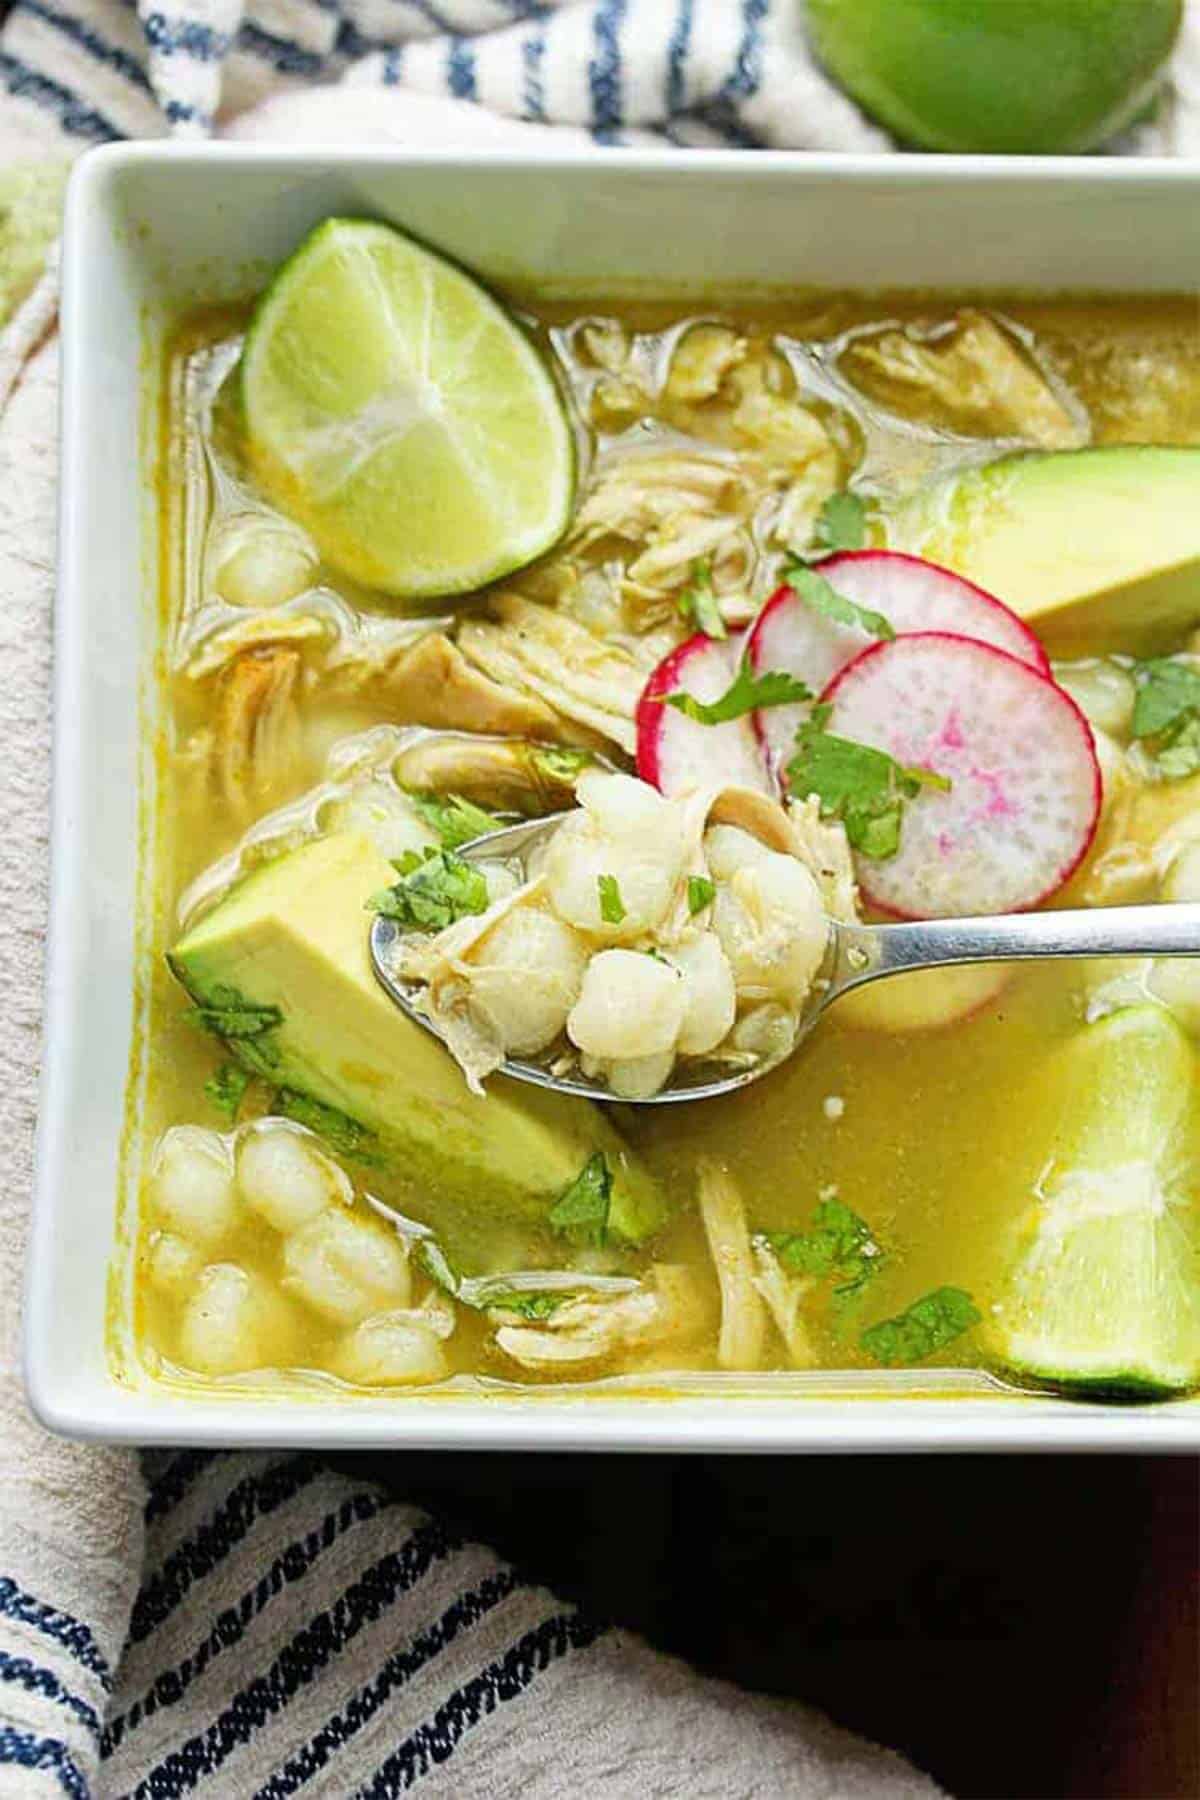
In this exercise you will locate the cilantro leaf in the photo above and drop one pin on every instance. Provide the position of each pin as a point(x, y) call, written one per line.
point(581, 1214)
point(1166, 715)
point(344, 1135)
point(226, 1012)
point(558, 765)
point(841, 525)
point(530, 1303)
point(698, 603)
point(863, 787)
point(929, 1324)
point(455, 820)
point(747, 693)
point(824, 598)
point(701, 892)
point(439, 889)
point(227, 1089)
point(612, 907)
point(837, 1242)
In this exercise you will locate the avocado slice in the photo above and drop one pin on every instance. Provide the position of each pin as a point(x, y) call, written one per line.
point(282, 963)
point(1099, 549)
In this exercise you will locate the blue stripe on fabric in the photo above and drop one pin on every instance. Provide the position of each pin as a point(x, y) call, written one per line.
point(722, 116)
point(170, 1487)
point(351, 43)
point(533, 87)
point(435, 1742)
point(255, 1496)
point(25, 1750)
point(35, 1678)
point(393, 66)
point(464, 1612)
point(435, 19)
point(460, 68)
point(60, 1627)
point(309, 1651)
point(186, 37)
point(747, 68)
point(231, 1624)
point(97, 47)
point(604, 68)
point(677, 55)
point(284, 55)
point(74, 115)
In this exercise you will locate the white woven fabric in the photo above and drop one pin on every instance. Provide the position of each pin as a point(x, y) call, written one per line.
point(256, 1625)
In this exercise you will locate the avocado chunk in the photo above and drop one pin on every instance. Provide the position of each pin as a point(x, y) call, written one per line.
point(281, 968)
point(1099, 549)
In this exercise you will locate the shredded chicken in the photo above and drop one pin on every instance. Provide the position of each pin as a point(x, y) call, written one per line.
point(256, 728)
point(703, 357)
point(822, 844)
point(502, 773)
point(443, 964)
point(258, 631)
point(670, 1308)
point(974, 378)
point(743, 1312)
point(635, 495)
point(785, 1295)
point(542, 653)
point(434, 684)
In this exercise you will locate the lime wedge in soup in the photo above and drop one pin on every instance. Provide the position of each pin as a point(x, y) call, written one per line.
point(397, 411)
point(1104, 1292)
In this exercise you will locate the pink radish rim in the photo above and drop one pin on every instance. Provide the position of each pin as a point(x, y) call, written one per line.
point(648, 718)
point(955, 637)
point(1042, 664)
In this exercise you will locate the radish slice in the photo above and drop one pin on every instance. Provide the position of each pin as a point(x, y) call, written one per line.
point(1025, 784)
point(677, 753)
point(926, 1000)
point(912, 595)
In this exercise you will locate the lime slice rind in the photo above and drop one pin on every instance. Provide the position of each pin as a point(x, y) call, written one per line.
point(1102, 1299)
point(398, 412)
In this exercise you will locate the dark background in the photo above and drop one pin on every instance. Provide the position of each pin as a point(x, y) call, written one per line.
point(1024, 1628)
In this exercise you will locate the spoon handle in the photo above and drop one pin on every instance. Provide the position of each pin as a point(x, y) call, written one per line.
point(869, 952)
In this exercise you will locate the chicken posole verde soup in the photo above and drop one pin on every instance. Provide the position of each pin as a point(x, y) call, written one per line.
point(830, 606)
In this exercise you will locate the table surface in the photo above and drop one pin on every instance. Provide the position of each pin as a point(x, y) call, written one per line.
point(1022, 1627)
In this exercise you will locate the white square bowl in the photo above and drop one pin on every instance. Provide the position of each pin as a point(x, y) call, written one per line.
point(152, 230)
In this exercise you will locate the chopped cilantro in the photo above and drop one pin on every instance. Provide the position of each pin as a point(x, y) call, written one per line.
point(344, 1135)
point(529, 1303)
point(612, 907)
point(698, 603)
point(824, 598)
point(228, 1014)
point(582, 1212)
point(456, 821)
point(1166, 715)
point(747, 693)
point(929, 1324)
point(227, 1089)
point(863, 787)
point(841, 525)
point(837, 1242)
point(432, 892)
point(701, 892)
point(560, 765)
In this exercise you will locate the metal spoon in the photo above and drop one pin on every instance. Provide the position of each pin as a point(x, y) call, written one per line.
point(856, 954)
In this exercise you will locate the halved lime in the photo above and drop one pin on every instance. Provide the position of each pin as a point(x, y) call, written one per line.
point(397, 411)
point(999, 75)
point(1104, 1293)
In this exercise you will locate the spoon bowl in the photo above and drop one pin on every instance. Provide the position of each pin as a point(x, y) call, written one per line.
point(855, 954)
